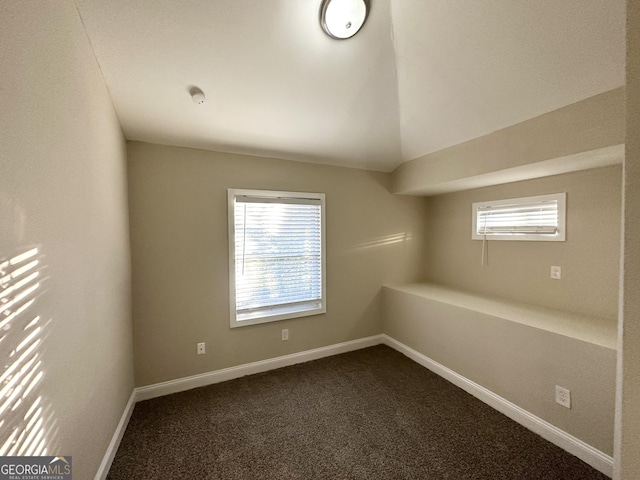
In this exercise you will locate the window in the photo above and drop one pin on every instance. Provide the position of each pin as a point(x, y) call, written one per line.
point(539, 218)
point(276, 255)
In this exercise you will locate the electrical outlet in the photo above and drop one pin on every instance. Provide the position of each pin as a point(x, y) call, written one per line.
point(285, 334)
point(563, 396)
point(556, 272)
point(201, 348)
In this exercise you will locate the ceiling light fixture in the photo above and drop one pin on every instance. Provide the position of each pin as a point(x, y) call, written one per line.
point(342, 19)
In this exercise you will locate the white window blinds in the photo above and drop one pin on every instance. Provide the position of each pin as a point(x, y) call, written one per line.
point(277, 256)
point(529, 218)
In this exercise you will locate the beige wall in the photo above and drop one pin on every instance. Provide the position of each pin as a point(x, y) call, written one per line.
point(63, 190)
point(178, 208)
point(583, 135)
point(520, 270)
point(627, 464)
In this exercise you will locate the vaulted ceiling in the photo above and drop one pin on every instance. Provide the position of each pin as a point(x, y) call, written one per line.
point(422, 75)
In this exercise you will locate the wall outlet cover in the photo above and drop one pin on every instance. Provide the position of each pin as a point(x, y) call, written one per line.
point(563, 396)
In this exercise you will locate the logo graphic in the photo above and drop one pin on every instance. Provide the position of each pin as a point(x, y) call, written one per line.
point(35, 468)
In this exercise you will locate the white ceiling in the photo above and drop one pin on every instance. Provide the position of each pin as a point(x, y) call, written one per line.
point(420, 76)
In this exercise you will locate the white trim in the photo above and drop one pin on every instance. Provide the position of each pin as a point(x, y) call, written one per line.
point(110, 454)
point(594, 457)
point(278, 312)
point(217, 376)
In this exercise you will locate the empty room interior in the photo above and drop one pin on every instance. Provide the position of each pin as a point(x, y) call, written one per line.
point(401, 216)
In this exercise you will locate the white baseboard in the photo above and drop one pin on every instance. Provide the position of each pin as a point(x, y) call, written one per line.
point(110, 454)
point(217, 376)
point(588, 454)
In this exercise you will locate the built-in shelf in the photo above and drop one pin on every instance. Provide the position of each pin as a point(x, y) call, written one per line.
point(596, 330)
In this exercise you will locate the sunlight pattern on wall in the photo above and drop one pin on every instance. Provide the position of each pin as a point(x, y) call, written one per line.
point(25, 418)
point(384, 241)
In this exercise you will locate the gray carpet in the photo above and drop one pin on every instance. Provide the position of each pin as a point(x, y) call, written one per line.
point(369, 414)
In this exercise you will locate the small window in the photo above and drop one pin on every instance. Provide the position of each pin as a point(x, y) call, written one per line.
point(276, 255)
point(540, 218)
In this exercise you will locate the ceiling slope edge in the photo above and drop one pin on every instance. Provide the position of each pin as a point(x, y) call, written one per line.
point(583, 135)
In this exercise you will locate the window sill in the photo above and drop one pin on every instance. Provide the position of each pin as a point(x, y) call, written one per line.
point(277, 313)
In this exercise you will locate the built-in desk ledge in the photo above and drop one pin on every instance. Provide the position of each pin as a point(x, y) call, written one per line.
point(597, 330)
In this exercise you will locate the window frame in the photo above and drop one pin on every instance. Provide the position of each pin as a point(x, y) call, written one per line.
point(560, 235)
point(278, 312)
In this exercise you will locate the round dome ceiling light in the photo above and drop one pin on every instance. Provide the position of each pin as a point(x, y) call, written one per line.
point(342, 19)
